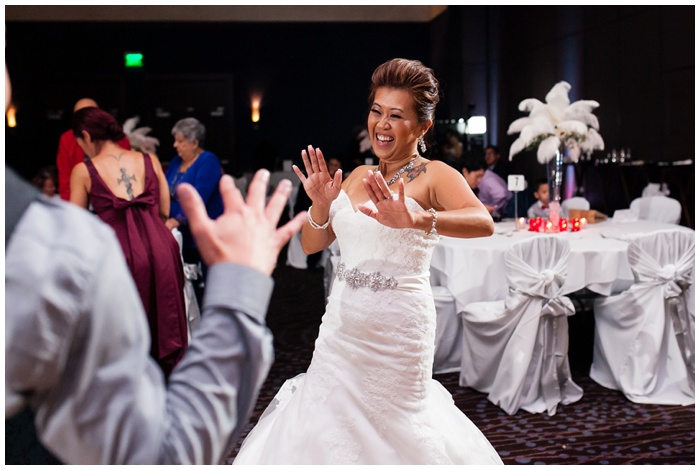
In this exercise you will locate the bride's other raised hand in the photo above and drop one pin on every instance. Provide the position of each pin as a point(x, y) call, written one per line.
point(321, 187)
point(390, 209)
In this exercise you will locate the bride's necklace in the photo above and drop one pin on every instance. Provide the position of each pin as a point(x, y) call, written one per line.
point(403, 169)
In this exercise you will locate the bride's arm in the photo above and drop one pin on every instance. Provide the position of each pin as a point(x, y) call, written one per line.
point(459, 212)
point(317, 239)
point(322, 188)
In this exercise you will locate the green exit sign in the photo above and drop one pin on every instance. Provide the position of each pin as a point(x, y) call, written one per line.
point(133, 59)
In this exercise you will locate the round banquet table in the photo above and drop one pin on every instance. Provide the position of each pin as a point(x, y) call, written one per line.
point(473, 270)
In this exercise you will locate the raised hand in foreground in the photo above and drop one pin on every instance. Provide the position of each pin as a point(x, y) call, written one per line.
point(246, 233)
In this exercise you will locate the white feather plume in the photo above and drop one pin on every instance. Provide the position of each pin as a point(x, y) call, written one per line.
point(518, 125)
point(548, 149)
point(558, 96)
point(593, 141)
point(554, 121)
point(137, 137)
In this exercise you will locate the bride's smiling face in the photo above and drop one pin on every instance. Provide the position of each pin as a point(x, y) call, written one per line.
point(393, 124)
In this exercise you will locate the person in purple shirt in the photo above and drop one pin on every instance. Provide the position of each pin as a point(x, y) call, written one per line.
point(200, 168)
point(493, 193)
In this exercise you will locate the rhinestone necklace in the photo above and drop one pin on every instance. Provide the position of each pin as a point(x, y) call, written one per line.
point(403, 169)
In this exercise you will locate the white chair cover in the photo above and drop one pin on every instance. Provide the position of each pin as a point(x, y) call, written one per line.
point(658, 208)
point(517, 350)
point(448, 333)
point(574, 203)
point(295, 253)
point(645, 337)
point(655, 189)
point(192, 273)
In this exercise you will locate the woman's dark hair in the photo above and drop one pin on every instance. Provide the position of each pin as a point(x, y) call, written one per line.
point(471, 163)
point(413, 76)
point(98, 123)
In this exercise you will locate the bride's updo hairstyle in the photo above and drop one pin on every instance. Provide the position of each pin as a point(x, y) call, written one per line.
point(413, 76)
point(98, 123)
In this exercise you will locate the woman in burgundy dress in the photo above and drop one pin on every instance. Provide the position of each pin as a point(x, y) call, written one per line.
point(128, 191)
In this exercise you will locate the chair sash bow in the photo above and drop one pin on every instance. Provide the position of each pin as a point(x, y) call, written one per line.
point(674, 279)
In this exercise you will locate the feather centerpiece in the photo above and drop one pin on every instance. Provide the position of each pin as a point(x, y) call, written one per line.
point(554, 123)
point(137, 136)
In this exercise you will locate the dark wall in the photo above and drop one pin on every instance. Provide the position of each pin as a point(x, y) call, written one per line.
point(638, 62)
point(314, 80)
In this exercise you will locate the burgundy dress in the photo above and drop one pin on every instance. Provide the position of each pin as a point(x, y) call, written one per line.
point(153, 257)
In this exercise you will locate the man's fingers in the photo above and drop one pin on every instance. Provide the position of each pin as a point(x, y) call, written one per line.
point(288, 230)
point(192, 204)
point(278, 201)
point(231, 196)
point(258, 189)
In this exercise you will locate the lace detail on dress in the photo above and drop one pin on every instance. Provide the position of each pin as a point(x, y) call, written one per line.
point(381, 388)
point(341, 443)
point(322, 376)
point(432, 444)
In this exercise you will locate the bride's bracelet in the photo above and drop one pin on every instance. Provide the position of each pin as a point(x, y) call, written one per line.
point(433, 230)
point(313, 223)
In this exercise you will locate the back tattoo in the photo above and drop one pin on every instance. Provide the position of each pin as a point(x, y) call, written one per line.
point(126, 179)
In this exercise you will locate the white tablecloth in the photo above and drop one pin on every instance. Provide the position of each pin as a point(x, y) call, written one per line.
point(473, 270)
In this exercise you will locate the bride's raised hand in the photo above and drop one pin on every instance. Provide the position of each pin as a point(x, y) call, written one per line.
point(390, 209)
point(321, 187)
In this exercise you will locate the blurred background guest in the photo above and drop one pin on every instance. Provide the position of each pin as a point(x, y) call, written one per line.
point(541, 207)
point(495, 163)
point(202, 169)
point(46, 180)
point(70, 154)
point(473, 168)
point(453, 148)
point(494, 194)
point(128, 191)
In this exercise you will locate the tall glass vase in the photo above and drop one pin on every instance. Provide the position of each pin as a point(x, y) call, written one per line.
point(555, 178)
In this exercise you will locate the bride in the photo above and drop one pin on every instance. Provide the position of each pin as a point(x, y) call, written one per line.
point(368, 396)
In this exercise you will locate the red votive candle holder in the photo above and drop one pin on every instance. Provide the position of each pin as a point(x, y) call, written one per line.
point(575, 225)
point(563, 224)
point(536, 224)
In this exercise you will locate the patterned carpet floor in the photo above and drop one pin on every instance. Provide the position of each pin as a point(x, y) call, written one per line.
point(602, 428)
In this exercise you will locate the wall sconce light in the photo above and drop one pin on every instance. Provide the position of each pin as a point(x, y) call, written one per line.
point(476, 125)
point(255, 114)
point(10, 115)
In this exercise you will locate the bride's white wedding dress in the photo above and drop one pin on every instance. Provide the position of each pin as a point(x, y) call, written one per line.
point(368, 396)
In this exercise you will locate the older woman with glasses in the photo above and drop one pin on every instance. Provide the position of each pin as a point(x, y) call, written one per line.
point(200, 168)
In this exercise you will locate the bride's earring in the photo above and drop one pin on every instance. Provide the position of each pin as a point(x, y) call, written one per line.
point(421, 143)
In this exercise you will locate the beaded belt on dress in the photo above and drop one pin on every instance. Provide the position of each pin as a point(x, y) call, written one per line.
point(356, 278)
